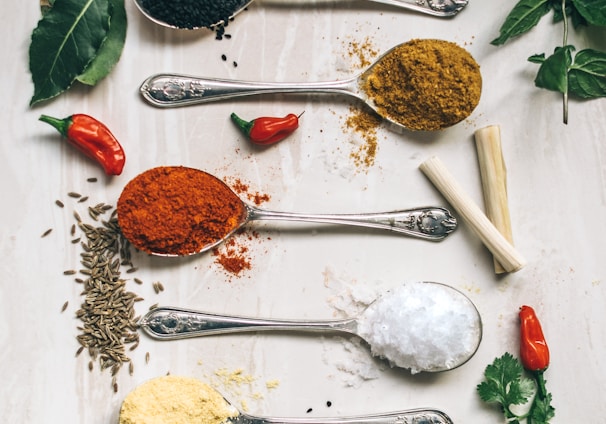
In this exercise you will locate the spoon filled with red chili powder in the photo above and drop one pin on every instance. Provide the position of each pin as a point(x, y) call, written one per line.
point(178, 211)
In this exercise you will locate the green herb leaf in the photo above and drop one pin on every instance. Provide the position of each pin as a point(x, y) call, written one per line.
point(553, 73)
point(587, 76)
point(523, 17)
point(503, 383)
point(594, 11)
point(63, 44)
point(542, 410)
point(111, 49)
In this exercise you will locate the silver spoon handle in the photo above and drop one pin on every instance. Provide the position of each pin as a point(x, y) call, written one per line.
point(439, 8)
point(175, 323)
point(411, 416)
point(171, 90)
point(430, 223)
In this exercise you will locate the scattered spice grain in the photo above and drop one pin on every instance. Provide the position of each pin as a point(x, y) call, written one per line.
point(74, 194)
point(59, 203)
point(64, 307)
point(92, 180)
point(425, 84)
point(175, 210)
point(47, 232)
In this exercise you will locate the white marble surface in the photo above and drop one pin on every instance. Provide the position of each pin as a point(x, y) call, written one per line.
point(557, 194)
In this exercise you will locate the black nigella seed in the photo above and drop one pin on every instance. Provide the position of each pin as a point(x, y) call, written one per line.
point(192, 13)
point(309, 410)
point(223, 57)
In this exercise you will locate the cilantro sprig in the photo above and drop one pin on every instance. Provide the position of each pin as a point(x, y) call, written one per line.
point(506, 384)
point(582, 74)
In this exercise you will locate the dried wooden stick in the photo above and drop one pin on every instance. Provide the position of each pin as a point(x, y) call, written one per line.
point(494, 182)
point(498, 245)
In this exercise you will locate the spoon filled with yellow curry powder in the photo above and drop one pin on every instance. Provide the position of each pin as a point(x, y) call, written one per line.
point(178, 211)
point(421, 85)
point(174, 399)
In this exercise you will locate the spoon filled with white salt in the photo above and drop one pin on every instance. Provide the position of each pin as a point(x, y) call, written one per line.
point(420, 326)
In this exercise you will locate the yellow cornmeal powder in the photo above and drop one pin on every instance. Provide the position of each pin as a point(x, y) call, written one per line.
point(175, 400)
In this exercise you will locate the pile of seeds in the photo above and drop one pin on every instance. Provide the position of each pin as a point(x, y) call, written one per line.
point(107, 312)
point(192, 14)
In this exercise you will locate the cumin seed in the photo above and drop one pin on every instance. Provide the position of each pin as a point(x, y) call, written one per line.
point(47, 232)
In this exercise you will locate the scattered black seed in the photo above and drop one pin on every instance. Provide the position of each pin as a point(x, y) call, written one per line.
point(309, 410)
point(59, 203)
point(235, 64)
point(47, 232)
point(228, 36)
point(223, 57)
point(328, 403)
point(92, 180)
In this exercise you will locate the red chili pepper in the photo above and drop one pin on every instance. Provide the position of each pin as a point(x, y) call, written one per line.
point(92, 138)
point(267, 130)
point(533, 347)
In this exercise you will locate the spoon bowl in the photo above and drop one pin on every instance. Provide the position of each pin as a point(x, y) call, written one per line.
point(187, 211)
point(438, 8)
point(396, 95)
point(173, 393)
point(431, 327)
point(216, 18)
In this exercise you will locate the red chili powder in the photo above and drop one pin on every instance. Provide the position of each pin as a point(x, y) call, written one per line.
point(177, 210)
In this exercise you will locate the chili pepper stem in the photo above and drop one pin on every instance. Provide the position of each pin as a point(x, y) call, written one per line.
point(62, 125)
point(540, 379)
point(245, 126)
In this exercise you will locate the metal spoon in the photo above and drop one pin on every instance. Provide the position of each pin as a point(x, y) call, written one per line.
point(412, 416)
point(429, 223)
point(172, 90)
point(438, 8)
point(424, 302)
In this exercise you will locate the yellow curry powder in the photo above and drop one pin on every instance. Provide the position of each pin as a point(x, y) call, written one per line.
point(425, 84)
point(175, 400)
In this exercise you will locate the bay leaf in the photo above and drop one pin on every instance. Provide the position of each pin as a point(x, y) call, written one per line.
point(65, 41)
point(111, 49)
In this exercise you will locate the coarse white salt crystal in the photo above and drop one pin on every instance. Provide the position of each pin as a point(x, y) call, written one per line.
point(422, 326)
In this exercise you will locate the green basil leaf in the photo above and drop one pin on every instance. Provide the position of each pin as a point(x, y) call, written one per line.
point(63, 44)
point(594, 11)
point(537, 58)
point(553, 73)
point(523, 17)
point(587, 76)
point(111, 49)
